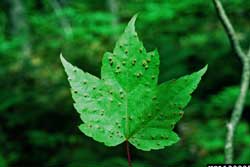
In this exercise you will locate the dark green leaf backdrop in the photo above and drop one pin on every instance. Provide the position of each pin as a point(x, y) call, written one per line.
point(38, 125)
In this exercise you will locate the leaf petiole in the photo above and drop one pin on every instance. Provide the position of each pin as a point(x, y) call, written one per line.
point(128, 154)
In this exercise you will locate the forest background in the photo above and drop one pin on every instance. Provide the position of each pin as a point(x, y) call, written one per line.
point(38, 124)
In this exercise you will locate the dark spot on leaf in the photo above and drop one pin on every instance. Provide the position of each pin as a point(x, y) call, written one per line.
point(137, 75)
point(181, 113)
point(153, 77)
point(111, 63)
point(124, 63)
point(133, 62)
point(75, 91)
point(118, 71)
point(140, 50)
point(148, 60)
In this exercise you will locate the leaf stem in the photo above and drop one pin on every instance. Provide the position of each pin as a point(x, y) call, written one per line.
point(128, 154)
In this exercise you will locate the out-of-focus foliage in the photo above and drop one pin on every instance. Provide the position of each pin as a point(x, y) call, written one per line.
point(38, 122)
point(223, 101)
point(2, 162)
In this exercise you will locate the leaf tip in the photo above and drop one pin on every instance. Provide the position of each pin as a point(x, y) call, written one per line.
point(61, 55)
point(62, 59)
point(203, 70)
point(131, 24)
point(65, 63)
point(133, 19)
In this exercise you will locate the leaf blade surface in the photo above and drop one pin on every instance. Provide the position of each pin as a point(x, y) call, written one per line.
point(126, 103)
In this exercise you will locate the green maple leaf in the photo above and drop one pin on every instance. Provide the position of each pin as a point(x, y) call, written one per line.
point(126, 104)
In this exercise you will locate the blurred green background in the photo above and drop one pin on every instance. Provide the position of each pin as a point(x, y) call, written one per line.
point(38, 124)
